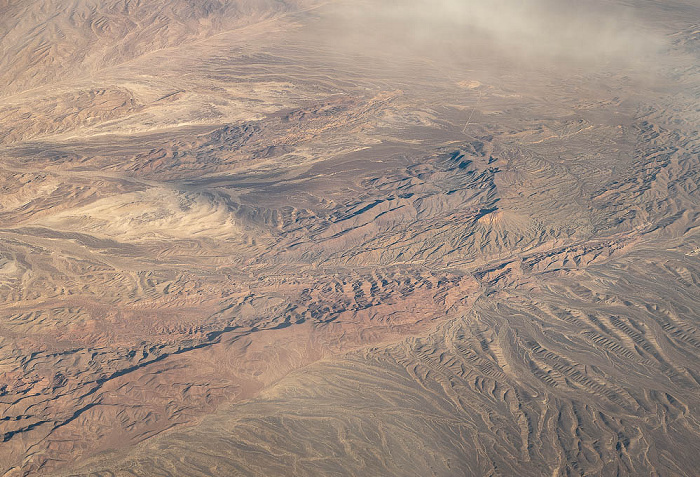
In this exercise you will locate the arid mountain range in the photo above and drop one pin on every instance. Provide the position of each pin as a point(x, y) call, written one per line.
point(315, 238)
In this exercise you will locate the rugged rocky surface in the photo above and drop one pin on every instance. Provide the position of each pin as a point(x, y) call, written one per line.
point(303, 238)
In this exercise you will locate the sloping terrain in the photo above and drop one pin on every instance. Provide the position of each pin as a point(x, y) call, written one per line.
point(339, 238)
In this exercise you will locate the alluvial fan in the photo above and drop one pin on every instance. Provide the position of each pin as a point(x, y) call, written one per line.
point(301, 237)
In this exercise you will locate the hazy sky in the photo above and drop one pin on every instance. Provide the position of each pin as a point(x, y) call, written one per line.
point(591, 32)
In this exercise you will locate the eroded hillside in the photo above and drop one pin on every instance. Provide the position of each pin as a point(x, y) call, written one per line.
point(305, 238)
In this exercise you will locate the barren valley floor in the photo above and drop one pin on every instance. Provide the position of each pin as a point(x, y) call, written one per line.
point(318, 238)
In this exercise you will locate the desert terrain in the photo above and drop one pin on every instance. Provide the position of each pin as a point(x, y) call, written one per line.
point(305, 237)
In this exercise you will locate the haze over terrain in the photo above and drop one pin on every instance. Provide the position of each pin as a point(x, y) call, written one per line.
point(305, 237)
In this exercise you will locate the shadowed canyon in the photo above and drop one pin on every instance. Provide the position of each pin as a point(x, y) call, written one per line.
point(349, 238)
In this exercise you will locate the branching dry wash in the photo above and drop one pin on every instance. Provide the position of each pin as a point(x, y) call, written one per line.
point(255, 237)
